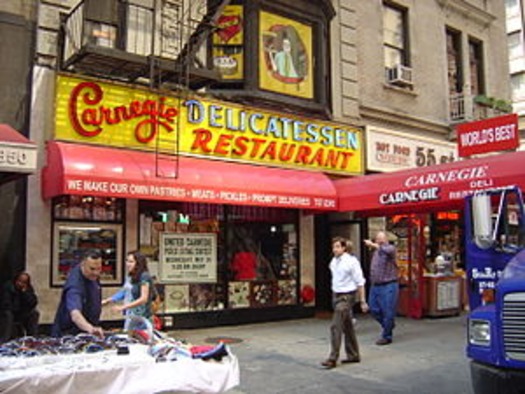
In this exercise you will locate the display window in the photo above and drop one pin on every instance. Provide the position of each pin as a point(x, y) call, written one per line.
point(210, 257)
point(447, 237)
point(429, 257)
point(82, 223)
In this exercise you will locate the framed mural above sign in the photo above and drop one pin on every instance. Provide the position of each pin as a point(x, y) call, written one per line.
point(228, 43)
point(285, 56)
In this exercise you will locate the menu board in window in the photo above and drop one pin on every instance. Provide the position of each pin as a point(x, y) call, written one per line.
point(73, 240)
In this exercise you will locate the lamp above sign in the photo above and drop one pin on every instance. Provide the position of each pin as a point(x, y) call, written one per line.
point(488, 135)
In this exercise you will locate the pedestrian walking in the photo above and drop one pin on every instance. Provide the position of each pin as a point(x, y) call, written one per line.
point(347, 288)
point(384, 288)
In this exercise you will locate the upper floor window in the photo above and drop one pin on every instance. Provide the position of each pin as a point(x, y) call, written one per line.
point(515, 45)
point(517, 83)
point(395, 36)
point(512, 7)
point(454, 68)
point(395, 46)
point(513, 13)
point(475, 54)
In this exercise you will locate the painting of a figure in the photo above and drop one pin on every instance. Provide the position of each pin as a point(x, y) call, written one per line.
point(286, 56)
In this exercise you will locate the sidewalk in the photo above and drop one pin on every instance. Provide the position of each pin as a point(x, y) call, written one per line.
point(427, 356)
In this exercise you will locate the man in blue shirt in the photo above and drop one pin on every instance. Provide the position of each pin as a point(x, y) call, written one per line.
point(384, 290)
point(80, 304)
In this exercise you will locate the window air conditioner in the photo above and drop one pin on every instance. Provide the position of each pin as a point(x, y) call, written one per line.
point(399, 75)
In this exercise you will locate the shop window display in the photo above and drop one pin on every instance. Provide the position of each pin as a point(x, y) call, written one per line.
point(81, 223)
point(446, 243)
point(429, 259)
point(255, 259)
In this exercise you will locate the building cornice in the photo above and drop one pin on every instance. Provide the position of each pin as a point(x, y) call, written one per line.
point(468, 11)
point(393, 118)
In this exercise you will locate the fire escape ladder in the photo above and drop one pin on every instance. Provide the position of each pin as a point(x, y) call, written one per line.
point(192, 33)
point(162, 155)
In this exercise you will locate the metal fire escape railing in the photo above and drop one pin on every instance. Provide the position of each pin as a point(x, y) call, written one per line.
point(161, 41)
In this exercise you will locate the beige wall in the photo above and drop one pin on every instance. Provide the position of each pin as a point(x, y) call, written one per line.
point(425, 109)
point(25, 8)
point(345, 92)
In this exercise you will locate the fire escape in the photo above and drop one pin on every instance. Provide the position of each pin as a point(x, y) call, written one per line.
point(158, 43)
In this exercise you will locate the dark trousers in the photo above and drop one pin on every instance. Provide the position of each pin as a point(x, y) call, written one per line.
point(18, 326)
point(342, 326)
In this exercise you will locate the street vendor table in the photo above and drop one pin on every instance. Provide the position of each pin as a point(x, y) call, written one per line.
point(106, 372)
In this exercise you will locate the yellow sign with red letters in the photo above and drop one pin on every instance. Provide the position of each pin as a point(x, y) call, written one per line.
point(112, 114)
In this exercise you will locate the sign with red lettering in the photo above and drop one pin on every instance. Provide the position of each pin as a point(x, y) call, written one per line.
point(109, 114)
point(488, 135)
point(389, 150)
point(440, 187)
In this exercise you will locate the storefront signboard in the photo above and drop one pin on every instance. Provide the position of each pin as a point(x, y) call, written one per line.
point(188, 258)
point(441, 187)
point(101, 113)
point(17, 157)
point(388, 150)
point(488, 135)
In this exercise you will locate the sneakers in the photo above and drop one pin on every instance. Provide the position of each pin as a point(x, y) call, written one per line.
point(383, 341)
point(329, 364)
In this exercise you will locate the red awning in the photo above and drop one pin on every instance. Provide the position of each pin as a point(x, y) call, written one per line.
point(8, 134)
point(17, 154)
point(100, 171)
point(430, 188)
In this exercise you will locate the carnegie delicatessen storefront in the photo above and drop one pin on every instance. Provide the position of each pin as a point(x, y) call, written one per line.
point(220, 197)
point(423, 213)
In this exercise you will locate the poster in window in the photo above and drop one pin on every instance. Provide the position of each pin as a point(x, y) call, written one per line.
point(285, 56)
point(188, 258)
point(263, 294)
point(176, 298)
point(73, 240)
point(286, 292)
point(239, 294)
point(206, 296)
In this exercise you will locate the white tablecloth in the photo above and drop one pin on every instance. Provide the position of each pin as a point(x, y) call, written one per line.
point(107, 372)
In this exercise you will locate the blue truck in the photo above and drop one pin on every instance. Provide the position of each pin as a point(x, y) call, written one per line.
point(495, 260)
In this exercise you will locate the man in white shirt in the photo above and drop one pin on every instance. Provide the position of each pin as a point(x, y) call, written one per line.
point(348, 285)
